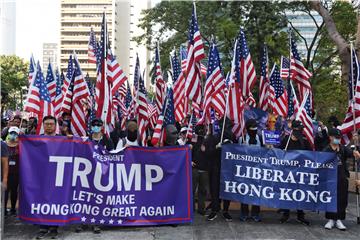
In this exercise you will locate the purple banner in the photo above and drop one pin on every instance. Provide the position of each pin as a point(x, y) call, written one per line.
point(66, 181)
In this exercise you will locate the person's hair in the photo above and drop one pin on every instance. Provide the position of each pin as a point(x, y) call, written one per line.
point(17, 117)
point(49, 117)
point(65, 114)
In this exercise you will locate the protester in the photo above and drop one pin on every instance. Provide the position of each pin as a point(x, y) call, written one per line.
point(49, 123)
point(31, 126)
point(342, 153)
point(333, 122)
point(13, 175)
point(65, 128)
point(199, 170)
point(251, 138)
point(214, 172)
point(182, 137)
point(14, 122)
point(171, 135)
point(131, 138)
point(4, 165)
point(295, 141)
point(321, 137)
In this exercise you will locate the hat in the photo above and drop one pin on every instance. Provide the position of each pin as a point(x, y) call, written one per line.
point(297, 124)
point(183, 129)
point(334, 132)
point(14, 129)
point(251, 124)
point(96, 121)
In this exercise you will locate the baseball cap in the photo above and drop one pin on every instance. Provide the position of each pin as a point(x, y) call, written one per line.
point(14, 129)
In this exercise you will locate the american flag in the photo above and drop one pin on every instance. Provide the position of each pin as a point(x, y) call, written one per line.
point(115, 75)
point(103, 87)
point(352, 118)
point(51, 83)
point(129, 103)
point(298, 72)
point(165, 118)
point(68, 95)
point(183, 56)
point(247, 69)
point(214, 87)
point(264, 80)
point(32, 68)
point(306, 121)
point(159, 82)
point(152, 113)
point(38, 101)
point(293, 104)
point(137, 74)
point(285, 66)
point(278, 93)
point(91, 110)
point(250, 100)
point(191, 128)
point(142, 112)
point(59, 96)
point(194, 56)
point(235, 98)
point(92, 48)
point(179, 88)
point(68, 75)
point(80, 96)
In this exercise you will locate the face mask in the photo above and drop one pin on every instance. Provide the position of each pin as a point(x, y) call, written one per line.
point(95, 129)
point(13, 137)
point(336, 141)
point(297, 133)
point(132, 136)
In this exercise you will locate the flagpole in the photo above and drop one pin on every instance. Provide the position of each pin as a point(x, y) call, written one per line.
point(226, 109)
point(187, 131)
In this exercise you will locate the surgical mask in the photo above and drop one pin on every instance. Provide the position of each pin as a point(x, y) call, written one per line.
point(336, 141)
point(132, 135)
point(13, 137)
point(95, 129)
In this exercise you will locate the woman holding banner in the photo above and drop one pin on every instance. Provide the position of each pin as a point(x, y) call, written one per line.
point(342, 153)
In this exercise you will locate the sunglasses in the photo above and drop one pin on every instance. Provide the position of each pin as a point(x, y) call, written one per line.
point(98, 124)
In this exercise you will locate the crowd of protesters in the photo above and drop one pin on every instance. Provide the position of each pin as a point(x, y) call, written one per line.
point(205, 142)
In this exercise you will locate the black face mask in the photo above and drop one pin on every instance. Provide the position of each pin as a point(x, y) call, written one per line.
point(298, 134)
point(132, 136)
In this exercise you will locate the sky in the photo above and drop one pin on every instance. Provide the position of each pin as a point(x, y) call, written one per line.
point(37, 22)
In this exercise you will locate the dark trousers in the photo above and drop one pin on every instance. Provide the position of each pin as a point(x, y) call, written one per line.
point(214, 178)
point(342, 201)
point(300, 213)
point(46, 228)
point(255, 210)
point(12, 190)
point(200, 181)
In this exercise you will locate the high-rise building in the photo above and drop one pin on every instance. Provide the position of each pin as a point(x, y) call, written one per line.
point(77, 18)
point(50, 54)
point(7, 27)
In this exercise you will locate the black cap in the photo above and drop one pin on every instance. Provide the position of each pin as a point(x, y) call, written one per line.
point(296, 124)
point(334, 132)
point(96, 121)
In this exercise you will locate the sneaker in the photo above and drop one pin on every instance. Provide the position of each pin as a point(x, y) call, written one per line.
point(227, 217)
point(13, 212)
point(96, 230)
point(53, 234)
point(256, 218)
point(330, 224)
point(79, 229)
point(303, 221)
point(41, 234)
point(340, 225)
point(243, 218)
point(284, 218)
point(212, 216)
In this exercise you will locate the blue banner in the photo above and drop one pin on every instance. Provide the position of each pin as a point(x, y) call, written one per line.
point(66, 181)
point(303, 180)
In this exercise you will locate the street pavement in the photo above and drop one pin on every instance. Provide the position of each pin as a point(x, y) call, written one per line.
point(269, 228)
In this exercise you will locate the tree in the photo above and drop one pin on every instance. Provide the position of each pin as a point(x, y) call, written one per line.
point(14, 72)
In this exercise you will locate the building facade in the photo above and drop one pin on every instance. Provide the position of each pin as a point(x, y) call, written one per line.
point(50, 54)
point(7, 27)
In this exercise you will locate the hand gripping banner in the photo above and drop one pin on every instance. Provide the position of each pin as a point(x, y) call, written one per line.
point(65, 181)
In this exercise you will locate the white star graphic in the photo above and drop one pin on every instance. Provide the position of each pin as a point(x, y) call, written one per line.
point(119, 221)
point(111, 221)
point(96, 146)
point(93, 220)
point(83, 219)
point(102, 221)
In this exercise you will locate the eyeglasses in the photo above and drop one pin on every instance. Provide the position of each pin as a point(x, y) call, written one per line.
point(49, 124)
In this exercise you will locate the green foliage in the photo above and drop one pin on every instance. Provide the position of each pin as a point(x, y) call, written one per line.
point(13, 72)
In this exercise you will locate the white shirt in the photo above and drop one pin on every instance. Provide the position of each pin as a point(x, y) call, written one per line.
point(120, 146)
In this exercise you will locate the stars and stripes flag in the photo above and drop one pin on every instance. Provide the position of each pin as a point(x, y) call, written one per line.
point(160, 84)
point(179, 88)
point(153, 115)
point(142, 111)
point(194, 56)
point(235, 97)
point(250, 100)
point(79, 99)
point(191, 128)
point(103, 87)
point(32, 69)
point(91, 110)
point(247, 68)
point(183, 56)
point(293, 103)
point(137, 74)
point(68, 95)
point(264, 80)
point(92, 48)
point(38, 100)
point(298, 73)
point(285, 67)
point(129, 103)
point(278, 94)
point(50, 82)
point(352, 118)
point(115, 75)
point(306, 121)
point(165, 118)
point(68, 75)
point(214, 87)
point(59, 96)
